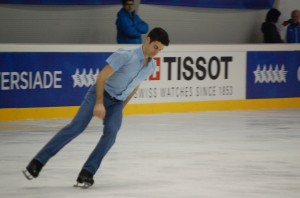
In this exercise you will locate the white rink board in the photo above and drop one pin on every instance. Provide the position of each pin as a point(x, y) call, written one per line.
point(195, 76)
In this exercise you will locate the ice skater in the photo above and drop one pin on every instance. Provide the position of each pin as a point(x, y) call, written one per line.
point(117, 82)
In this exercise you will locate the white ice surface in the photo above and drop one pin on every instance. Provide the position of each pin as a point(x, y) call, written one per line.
point(232, 154)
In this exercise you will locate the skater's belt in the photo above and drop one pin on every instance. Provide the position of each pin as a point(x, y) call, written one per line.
point(106, 94)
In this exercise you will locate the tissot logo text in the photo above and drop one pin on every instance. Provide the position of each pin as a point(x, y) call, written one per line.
point(187, 68)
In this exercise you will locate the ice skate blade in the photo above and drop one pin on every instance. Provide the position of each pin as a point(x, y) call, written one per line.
point(27, 175)
point(83, 185)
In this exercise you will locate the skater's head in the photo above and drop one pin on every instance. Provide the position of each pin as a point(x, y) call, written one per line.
point(156, 40)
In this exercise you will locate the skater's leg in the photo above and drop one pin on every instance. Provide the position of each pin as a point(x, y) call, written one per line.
point(112, 124)
point(72, 130)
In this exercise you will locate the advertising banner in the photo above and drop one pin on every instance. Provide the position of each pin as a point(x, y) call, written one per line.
point(44, 79)
point(47, 79)
point(273, 74)
point(195, 76)
point(237, 4)
point(62, 2)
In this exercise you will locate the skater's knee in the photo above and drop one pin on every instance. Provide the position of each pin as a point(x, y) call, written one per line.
point(110, 137)
point(112, 128)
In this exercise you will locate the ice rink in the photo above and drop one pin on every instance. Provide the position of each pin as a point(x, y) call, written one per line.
point(229, 154)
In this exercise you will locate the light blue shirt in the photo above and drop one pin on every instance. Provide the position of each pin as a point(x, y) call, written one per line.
point(129, 71)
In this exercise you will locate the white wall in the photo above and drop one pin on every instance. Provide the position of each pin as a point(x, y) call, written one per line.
point(95, 24)
point(286, 7)
point(199, 25)
point(57, 24)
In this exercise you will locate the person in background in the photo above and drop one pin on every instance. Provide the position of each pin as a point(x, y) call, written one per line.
point(130, 26)
point(269, 28)
point(116, 84)
point(293, 27)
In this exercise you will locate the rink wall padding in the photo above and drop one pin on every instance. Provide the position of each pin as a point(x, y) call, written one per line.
point(49, 81)
point(10, 114)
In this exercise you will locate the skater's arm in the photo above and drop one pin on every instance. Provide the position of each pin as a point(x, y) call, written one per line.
point(99, 109)
point(130, 96)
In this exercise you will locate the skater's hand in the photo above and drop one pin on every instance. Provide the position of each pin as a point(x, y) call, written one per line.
point(99, 111)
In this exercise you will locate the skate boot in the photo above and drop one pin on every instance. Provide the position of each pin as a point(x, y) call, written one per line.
point(33, 169)
point(84, 179)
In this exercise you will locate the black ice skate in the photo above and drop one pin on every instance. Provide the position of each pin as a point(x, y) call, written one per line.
point(84, 179)
point(33, 169)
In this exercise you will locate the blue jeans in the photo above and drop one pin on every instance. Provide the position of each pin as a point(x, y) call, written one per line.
point(112, 123)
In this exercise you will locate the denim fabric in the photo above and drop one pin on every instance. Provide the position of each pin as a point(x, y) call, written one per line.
point(112, 123)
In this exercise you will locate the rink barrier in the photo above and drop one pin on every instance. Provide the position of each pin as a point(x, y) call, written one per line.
point(134, 109)
point(225, 79)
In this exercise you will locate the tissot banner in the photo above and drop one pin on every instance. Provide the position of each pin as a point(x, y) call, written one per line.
point(239, 4)
point(44, 79)
point(62, 2)
point(273, 74)
point(195, 76)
